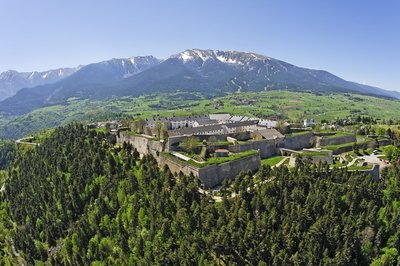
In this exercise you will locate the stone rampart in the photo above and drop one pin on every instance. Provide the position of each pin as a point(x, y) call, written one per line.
point(143, 144)
point(329, 140)
point(361, 146)
point(177, 167)
point(384, 142)
point(299, 141)
point(316, 159)
point(213, 175)
point(374, 172)
point(267, 148)
point(175, 140)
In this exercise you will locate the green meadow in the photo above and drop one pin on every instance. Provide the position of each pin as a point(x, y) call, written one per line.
point(293, 106)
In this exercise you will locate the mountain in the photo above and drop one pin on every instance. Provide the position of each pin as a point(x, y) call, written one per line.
point(216, 71)
point(97, 80)
point(84, 83)
point(12, 81)
point(209, 71)
point(376, 91)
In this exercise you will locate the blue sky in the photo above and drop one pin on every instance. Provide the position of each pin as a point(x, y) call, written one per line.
point(356, 40)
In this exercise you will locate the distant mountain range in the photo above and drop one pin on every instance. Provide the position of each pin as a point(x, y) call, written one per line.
point(212, 72)
point(12, 81)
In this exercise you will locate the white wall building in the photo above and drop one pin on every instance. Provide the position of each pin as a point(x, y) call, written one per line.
point(308, 122)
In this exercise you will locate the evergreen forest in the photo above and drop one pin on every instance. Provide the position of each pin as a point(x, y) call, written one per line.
point(79, 199)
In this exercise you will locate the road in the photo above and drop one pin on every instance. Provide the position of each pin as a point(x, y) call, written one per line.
point(352, 162)
point(23, 141)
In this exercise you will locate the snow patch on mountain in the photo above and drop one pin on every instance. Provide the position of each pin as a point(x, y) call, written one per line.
point(12, 81)
point(228, 60)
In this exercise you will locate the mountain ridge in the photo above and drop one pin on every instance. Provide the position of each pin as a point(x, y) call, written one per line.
point(212, 72)
point(86, 80)
point(11, 81)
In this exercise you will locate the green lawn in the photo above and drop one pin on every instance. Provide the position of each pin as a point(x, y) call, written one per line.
point(220, 143)
point(337, 163)
point(350, 156)
point(294, 106)
point(212, 160)
point(335, 147)
point(314, 153)
point(299, 133)
point(367, 151)
point(105, 130)
point(338, 146)
point(131, 133)
point(338, 134)
point(272, 161)
point(359, 168)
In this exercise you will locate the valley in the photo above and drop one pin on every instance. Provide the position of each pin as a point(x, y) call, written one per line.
point(275, 104)
point(212, 73)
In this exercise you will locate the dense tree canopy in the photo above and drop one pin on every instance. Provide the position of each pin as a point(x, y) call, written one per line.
point(7, 153)
point(77, 199)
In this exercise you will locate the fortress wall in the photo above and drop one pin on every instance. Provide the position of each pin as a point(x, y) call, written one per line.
point(318, 159)
point(314, 160)
point(299, 142)
point(267, 148)
point(362, 146)
point(174, 140)
point(384, 142)
point(142, 144)
point(209, 138)
point(323, 141)
point(177, 167)
point(213, 175)
point(374, 172)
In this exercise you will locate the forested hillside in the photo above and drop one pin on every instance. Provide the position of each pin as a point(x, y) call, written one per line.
point(7, 154)
point(76, 200)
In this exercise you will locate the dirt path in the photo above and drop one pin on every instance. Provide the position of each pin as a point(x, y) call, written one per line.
point(23, 141)
point(281, 162)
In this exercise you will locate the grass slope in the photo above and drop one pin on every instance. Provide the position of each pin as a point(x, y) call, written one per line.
point(294, 106)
